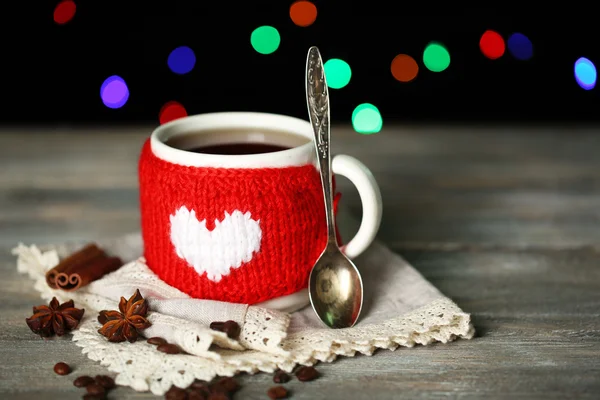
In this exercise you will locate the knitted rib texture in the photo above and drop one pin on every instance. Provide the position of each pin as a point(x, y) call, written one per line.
point(236, 235)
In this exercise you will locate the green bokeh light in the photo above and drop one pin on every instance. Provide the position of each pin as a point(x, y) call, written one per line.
point(337, 73)
point(265, 39)
point(435, 57)
point(366, 119)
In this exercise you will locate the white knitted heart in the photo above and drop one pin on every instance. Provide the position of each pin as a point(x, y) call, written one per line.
point(231, 243)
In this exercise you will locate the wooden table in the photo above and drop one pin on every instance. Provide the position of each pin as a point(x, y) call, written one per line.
point(504, 221)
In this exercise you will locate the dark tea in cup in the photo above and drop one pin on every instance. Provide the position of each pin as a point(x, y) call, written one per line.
point(236, 142)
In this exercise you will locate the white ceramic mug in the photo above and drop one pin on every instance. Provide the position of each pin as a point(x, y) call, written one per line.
point(267, 208)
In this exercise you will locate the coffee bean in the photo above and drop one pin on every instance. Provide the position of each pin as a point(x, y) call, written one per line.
point(196, 395)
point(156, 340)
point(218, 396)
point(281, 377)
point(105, 381)
point(176, 393)
point(94, 388)
point(226, 385)
point(305, 374)
point(83, 381)
point(200, 387)
point(230, 328)
point(169, 348)
point(89, 396)
point(62, 368)
point(277, 392)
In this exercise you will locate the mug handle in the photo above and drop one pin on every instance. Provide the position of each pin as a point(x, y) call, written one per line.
point(370, 196)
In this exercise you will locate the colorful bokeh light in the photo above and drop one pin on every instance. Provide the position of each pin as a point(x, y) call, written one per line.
point(337, 73)
point(436, 57)
point(114, 92)
point(265, 39)
point(181, 60)
point(520, 46)
point(404, 68)
point(366, 119)
point(585, 73)
point(64, 12)
point(171, 111)
point(492, 45)
point(303, 13)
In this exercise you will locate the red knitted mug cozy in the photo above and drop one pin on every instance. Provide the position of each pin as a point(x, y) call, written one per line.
point(236, 235)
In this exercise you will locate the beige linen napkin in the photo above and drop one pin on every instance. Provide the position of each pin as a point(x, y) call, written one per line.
point(401, 308)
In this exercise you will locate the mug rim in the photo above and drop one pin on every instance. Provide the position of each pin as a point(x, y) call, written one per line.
point(295, 156)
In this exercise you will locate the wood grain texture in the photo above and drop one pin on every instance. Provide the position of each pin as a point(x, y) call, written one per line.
point(504, 221)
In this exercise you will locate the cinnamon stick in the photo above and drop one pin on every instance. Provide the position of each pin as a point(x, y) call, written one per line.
point(76, 260)
point(75, 279)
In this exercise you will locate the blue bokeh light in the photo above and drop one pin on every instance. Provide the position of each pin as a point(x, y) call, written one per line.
point(114, 92)
point(181, 60)
point(520, 46)
point(585, 73)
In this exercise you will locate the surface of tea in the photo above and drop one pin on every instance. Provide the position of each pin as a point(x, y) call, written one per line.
point(236, 141)
point(238, 148)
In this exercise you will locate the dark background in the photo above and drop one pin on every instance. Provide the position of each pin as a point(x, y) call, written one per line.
point(52, 73)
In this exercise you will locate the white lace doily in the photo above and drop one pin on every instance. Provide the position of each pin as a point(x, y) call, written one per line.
point(400, 309)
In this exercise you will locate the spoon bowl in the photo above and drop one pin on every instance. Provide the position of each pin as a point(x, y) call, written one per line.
point(336, 289)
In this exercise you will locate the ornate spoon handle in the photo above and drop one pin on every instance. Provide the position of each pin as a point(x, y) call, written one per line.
point(317, 98)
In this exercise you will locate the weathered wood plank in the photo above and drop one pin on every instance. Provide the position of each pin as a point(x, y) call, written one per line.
point(513, 188)
point(503, 221)
point(536, 314)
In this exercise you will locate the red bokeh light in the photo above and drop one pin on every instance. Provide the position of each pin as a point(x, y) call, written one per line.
point(492, 45)
point(171, 111)
point(64, 12)
point(303, 13)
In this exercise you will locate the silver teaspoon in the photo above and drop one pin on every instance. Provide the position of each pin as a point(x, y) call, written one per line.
point(335, 286)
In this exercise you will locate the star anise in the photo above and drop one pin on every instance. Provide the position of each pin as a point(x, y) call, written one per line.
point(125, 324)
point(54, 318)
